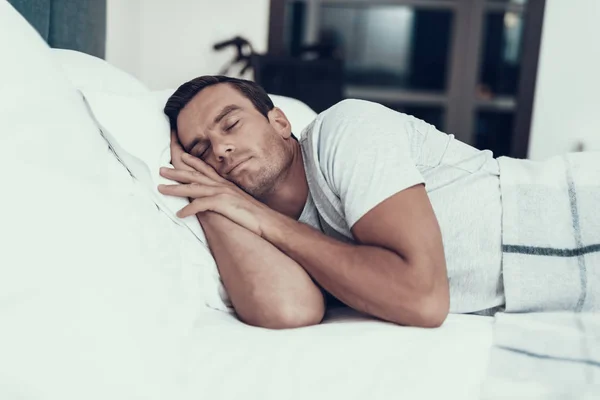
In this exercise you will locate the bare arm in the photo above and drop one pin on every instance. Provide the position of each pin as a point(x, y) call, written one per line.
point(397, 272)
point(267, 288)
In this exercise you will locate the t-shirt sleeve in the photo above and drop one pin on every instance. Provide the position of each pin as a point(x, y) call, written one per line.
point(366, 156)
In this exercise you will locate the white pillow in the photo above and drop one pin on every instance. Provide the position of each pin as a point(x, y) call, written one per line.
point(87, 296)
point(298, 113)
point(132, 119)
point(139, 125)
point(87, 72)
point(139, 131)
point(42, 118)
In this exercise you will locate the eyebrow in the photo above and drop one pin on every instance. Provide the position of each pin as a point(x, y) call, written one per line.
point(224, 112)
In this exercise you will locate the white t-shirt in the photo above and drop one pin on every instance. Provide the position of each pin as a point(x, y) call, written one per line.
point(359, 153)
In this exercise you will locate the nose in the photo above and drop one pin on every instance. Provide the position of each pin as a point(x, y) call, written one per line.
point(222, 149)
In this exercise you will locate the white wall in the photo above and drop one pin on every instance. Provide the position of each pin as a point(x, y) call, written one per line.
point(167, 42)
point(567, 99)
point(123, 35)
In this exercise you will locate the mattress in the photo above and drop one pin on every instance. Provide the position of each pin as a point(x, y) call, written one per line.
point(348, 356)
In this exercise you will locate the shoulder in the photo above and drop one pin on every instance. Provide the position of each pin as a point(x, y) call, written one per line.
point(353, 117)
point(348, 107)
point(352, 124)
point(357, 110)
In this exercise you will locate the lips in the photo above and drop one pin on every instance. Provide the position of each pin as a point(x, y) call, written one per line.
point(237, 165)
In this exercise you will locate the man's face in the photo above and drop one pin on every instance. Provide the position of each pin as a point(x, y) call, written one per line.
point(223, 128)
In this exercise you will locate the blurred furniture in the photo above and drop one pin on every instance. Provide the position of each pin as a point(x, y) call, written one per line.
point(68, 24)
point(313, 74)
point(466, 66)
point(318, 83)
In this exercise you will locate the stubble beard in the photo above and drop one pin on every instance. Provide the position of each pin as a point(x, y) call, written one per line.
point(269, 177)
point(265, 182)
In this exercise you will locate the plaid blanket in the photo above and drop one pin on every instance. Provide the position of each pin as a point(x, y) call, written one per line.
point(544, 356)
point(551, 233)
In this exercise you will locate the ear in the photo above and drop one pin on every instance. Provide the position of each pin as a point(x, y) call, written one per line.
point(279, 121)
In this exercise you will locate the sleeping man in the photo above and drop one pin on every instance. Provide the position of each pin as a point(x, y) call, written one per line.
point(377, 210)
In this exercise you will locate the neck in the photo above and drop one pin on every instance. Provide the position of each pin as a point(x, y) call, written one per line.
point(290, 193)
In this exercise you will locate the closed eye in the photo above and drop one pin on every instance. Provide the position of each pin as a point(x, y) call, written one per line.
point(201, 154)
point(204, 152)
point(230, 127)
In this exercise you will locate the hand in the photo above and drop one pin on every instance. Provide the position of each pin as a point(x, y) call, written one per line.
point(208, 191)
point(176, 153)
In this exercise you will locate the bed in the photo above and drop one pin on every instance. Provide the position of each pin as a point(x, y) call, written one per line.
point(104, 293)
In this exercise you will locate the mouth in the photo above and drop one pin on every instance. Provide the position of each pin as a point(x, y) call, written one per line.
point(237, 165)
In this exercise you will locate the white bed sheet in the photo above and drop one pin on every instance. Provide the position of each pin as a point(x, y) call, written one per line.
point(347, 357)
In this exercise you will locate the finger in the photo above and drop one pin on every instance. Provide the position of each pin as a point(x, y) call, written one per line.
point(176, 148)
point(191, 190)
point(201, 166)
point(185, 176)
point(197, 206)
point(176, 153)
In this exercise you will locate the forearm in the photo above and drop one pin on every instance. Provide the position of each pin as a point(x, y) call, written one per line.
point(370, 279)
point(266, 287)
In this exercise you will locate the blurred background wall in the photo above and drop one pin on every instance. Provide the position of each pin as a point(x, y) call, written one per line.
point(566, 114)
point(166, 42)
point(519, 77)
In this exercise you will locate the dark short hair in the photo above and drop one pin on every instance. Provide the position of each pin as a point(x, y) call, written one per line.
point(186, 92)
